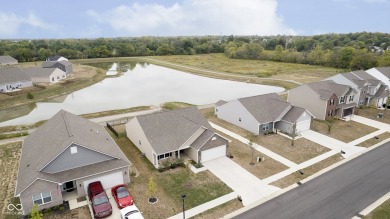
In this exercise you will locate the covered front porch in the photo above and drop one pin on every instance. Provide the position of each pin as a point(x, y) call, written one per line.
point(70, 194)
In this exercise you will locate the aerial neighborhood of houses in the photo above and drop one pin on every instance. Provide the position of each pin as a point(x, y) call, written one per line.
point(66, 158)
point(14, 78)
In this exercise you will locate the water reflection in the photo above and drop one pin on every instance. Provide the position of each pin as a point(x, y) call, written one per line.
point(145, 84)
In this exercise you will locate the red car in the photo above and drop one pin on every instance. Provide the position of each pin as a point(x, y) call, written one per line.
point(121, 196)
point(99, 200)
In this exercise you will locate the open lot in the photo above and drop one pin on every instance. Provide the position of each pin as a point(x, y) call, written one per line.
point(200, 188)
point(296, 177)
point(242, 155)
point(278, 70)
point(342, 130)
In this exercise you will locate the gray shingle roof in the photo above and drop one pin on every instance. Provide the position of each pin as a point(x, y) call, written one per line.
point(385, 71)
point(167, 131)
point(220, 103)
point(353, 78)
point(53, 137)
point(10, 75)
point(39, 72)
point(293, 114)
point(265, 108)
point(7, 59)
point(327, 88)
point(55, 64)
point(364, 75)
point(53, 58)
point(382, 91)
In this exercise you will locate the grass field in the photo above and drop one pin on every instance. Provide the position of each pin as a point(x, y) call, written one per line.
point(277, 70)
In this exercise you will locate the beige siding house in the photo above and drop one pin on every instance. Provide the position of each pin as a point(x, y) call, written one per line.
point(173, 134)
point(324, 99)
point(62, 157)
point(45, 75)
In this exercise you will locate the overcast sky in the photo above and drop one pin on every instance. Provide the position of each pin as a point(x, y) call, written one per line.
point(125, 18)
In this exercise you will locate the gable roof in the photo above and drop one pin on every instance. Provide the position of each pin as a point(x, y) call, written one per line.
point(48, 64)
point(40, 72)
point(10, 75)
point(383, 91)
point(7, 59)
point(54, 58)
point(265, 108)
point(56, 135)
point(168, 131)
point(385, 71)
point(327, 88)
point(220, 103)
point(354, 79)
point(293, 114)
point(367, 77)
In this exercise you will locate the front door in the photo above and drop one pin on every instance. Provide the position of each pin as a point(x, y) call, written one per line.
point(68, 186)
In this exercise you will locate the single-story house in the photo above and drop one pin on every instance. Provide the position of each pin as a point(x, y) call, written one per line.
point(46, 75)
point(63, 65)
point(56, 58)
point(324, 99)
point(264, 113)
point(12, 79)
point(7, 60)
point(62, 157)
point(172, 134)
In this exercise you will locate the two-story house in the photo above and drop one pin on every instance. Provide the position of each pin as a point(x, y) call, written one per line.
point(324, 99)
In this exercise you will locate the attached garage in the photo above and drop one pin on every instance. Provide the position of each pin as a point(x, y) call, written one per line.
point(303, 126)
point(107, 181)
point(213, 153)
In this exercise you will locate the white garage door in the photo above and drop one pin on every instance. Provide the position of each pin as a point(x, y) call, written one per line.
point(213, 153)
point(303, 126)
point(107, 181)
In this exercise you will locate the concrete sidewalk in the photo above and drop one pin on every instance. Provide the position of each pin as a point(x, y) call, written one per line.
point(370, 122)
point(366, 137)
point(259, 148)
point(206, 206)
point(331, 143)
point(10, 140)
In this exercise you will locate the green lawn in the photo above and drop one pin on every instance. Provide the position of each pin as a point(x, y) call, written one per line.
point(381, 212)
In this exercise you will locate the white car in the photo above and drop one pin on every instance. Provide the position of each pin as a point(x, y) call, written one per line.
point(131, 212)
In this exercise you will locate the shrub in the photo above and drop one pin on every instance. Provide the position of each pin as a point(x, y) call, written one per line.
point(30, 96)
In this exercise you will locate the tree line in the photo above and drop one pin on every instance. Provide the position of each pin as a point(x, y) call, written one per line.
point(349, 51)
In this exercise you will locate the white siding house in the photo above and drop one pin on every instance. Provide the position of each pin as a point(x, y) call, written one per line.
point(45, 75)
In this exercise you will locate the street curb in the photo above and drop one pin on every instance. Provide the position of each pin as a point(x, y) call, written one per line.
point(261, 201)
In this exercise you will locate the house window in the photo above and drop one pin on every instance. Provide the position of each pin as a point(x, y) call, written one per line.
point(330, 113)
point(58, 77)
point(361, 102)
point(331, 101)
point(239, 119)
point(351, 98)
point(364, 92)
point(42, 198)
point(166, 155)
point(342, 99)
point(216, 110)
point(264, 127)
point(73, 150)
point(139, 142)
point(52, 79)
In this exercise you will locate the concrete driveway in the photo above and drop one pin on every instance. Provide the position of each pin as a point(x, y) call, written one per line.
point(248, 186)
point(332, 143)
point(115, 210)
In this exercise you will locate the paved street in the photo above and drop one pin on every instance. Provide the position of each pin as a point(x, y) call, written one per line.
point(340, 193)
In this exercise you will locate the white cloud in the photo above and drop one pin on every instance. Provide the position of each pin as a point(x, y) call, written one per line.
point(195, 17)
point(10, 23)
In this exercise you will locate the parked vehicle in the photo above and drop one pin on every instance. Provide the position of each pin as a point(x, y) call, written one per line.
point(99, 200)
point(131, 212)
point(121, 196)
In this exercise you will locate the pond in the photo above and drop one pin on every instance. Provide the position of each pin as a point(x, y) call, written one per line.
point(144, 84)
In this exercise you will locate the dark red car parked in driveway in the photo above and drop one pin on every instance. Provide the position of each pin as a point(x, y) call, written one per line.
point(121, 196)
point(100, 204)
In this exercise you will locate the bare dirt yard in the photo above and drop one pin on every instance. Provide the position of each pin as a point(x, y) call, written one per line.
point(220, 211)
point(372, 141)
point(345, 131)
point(296, 177)
point(242, 155)
point(372, 113)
